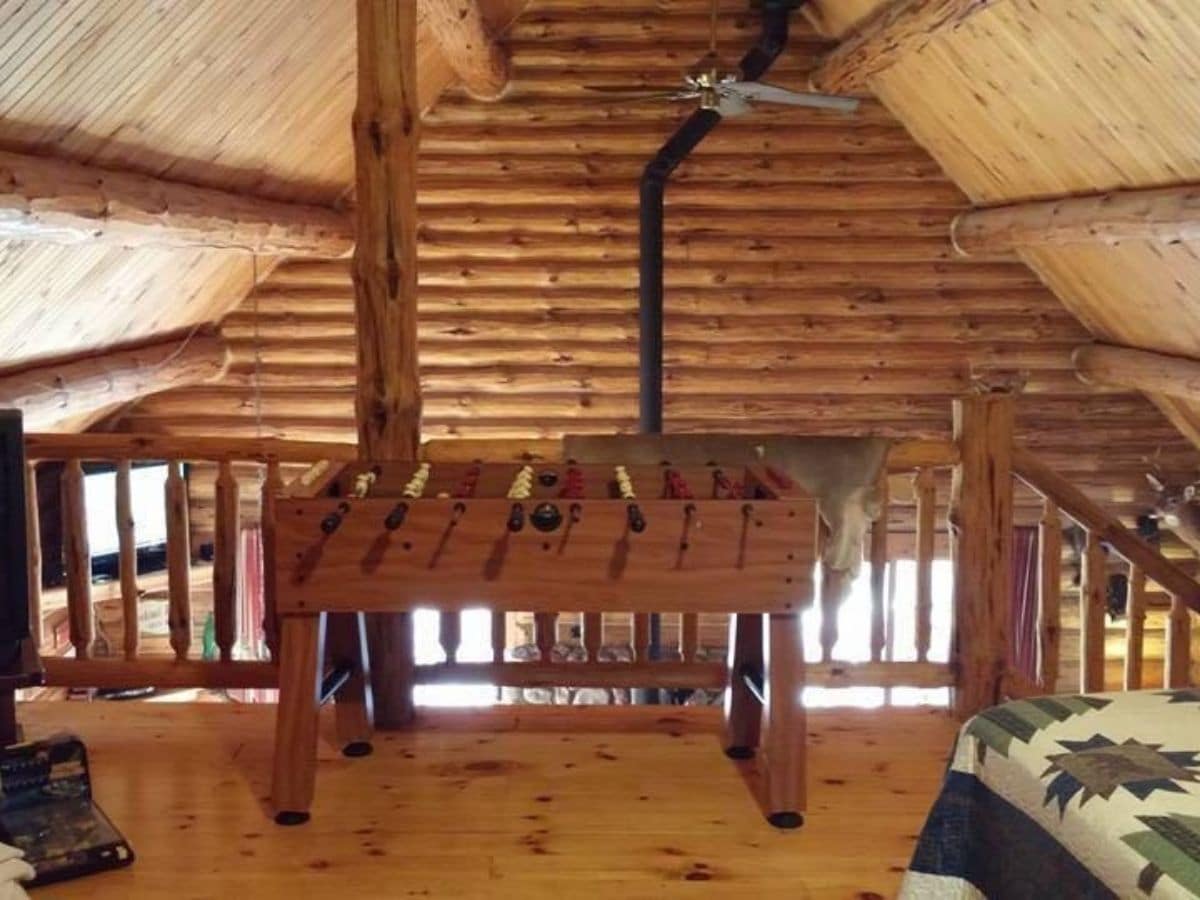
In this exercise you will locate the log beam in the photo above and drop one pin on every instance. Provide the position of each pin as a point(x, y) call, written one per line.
point(1105, 365)
point(903, 27)
point(1164, 215)
point(61, 202)
point(469, 46)
point(386, 129)
point(52, 392)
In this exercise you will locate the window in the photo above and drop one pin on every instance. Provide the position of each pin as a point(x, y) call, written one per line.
point(149, 508)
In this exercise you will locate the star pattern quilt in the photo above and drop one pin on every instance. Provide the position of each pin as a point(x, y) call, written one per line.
point(1080, 796)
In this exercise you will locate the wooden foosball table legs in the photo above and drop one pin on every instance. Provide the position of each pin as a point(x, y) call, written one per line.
point(764, 710)
point(304, 685)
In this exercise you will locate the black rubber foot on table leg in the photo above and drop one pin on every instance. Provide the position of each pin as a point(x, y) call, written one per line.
point(739, 752)
point(786, 819)
point(357, 748)
point(290, 817)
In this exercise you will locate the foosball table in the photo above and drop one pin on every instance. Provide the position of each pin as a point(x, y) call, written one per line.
point(544, 537)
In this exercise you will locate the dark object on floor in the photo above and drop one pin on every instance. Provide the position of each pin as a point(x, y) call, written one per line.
point(46, 810)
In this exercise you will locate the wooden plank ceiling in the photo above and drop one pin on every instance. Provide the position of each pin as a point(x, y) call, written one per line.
point(811, 282)
point(1029, 100)
point(250, 97)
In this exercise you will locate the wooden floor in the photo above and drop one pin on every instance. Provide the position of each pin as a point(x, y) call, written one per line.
point(518, 802)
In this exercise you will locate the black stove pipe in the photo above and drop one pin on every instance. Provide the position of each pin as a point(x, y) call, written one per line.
point(754, 65)
point(756, 62)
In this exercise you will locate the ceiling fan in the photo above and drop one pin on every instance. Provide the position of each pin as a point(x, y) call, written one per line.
point(712, 83)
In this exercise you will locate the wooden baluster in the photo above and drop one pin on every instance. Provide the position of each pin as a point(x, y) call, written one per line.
point(1135, 626)
point(926, 491)
point(879, 559)
point(179, 561)
point(271, 486)
point(641, 637)
point(593, 635)
point(834, 588)
point(33, 553)
point(1178, 651)
point(226, 550)
point(499, 634)
point(1049, 611)
point(545, 628)
point(689, 636)
point(450, 633)
point(890, 650)
point(1091, 616)
point(78, 558)
point(127, 543)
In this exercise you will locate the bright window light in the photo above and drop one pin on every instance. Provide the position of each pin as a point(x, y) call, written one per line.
point(475, 646)
point(149, 508)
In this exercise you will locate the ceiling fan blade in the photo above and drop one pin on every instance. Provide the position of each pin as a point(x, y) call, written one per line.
point(769, 93)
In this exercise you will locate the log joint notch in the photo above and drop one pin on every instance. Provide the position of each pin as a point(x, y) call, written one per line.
point(469, 46)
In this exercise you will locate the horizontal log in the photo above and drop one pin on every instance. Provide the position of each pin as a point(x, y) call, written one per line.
point(982, 354)
point(117, 446)
point(624, 328)
point(752, 193)
point(900, 28)
point(52, 392)
point(559, 216)
point(601, 60)
point(160, 673)
point(730, 138)
point(1127, 367)
point(467, 43)
point(302, 303)
point(1162, 215)
point(1074, 504)
point(55, 201)
point(779, 274)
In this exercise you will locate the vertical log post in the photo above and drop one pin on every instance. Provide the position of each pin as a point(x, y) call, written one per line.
point(179, 562)
point(1092, 587)
point(271, 486)
point(545, 627)
point(1049, 610)
point(450, 633)
point(593, 635)
point(926, 492)
point(78, 559)
point(1135, 627)
point(388, 403)
point(981, 520)
point(225, 561)
point(641, 637)
point(1178, 650)
point(879, 561)
point(835, 586)
point(499, 634)
point(127, 562)
point(689, 636)
point(33, 552)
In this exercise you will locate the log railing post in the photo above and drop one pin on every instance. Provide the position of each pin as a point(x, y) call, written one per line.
point(179, 561)
point(926, 491)
point(1092, 587)
point(499, 634)
point(879, 561)
point(1178, 650)
point(127, 544)
point(1049, 608)
point(78, 559)
point(33, 552)
point(593, 635)
point(981, 521)
point(835, 586)
point(689, 636)
point(641, 637)
point(271, 486)
point(450, 633)
point(226, 547)
point(1135, 626)
point(545, 627)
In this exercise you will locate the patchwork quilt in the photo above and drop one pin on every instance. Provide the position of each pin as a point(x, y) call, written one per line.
point(1073, 796)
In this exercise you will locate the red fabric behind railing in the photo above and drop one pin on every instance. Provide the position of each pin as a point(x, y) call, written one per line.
point(1024, 601)
point(250, 596)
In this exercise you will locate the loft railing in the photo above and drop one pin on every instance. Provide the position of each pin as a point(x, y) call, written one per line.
point(239, 464)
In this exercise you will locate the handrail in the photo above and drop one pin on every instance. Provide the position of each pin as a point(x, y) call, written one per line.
point(1075, 504)
point(90, 446)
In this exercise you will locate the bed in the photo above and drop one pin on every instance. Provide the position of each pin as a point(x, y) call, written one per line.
point(1074, 796)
